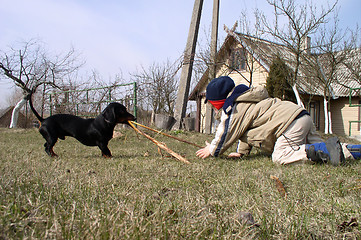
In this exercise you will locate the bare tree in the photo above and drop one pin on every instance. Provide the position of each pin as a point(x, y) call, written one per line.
point(202, 58)
point(352, 51)
point(292, 24)
point(30, 66)
point(157, 86)
point(79, 97)
point(251, 33)
point(327, 63)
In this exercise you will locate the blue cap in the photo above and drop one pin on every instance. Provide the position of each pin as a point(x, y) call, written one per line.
point(219, 88)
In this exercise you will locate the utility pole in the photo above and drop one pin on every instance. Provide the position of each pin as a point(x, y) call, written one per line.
point(213, 64)
point(214, 38)
point(186, 74)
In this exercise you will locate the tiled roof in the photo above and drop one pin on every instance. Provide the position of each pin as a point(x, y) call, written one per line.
point(307, 78)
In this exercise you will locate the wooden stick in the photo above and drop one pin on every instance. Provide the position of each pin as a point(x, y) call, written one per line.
point(160, 132)
point(281, 189)
point(160, 145)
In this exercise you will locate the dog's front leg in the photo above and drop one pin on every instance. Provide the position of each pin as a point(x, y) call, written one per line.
point(105, 150)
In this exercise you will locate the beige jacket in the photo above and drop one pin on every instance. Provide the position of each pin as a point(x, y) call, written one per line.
point(256, 120)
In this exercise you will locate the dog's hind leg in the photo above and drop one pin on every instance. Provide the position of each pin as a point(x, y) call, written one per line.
point(49, 149)
point(50, 142)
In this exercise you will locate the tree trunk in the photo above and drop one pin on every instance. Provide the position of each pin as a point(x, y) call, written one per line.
point(15, 113)
point(299, 101)
point(329, 122)
point(326, 115)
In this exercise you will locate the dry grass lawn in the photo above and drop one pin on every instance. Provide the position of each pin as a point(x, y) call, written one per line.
point(139, 194)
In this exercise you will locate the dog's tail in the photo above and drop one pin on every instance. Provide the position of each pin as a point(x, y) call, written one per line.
point(32, 107)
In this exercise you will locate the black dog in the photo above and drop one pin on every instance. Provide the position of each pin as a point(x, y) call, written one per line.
point(90, 132)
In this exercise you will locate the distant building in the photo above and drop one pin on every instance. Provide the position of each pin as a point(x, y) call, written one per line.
point(247, 60)
point(5, 118)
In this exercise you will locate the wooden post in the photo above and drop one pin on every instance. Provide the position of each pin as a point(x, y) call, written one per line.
point(186, 74)
point(213, 64)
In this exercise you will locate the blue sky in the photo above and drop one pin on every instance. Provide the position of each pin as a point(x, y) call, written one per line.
point(116, 36)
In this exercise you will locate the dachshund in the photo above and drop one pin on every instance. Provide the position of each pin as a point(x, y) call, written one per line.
point(91, 132)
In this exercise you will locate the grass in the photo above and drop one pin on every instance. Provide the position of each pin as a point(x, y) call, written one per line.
point(139, 194)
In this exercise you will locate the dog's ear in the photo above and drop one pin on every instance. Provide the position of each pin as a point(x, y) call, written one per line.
point(109, 114)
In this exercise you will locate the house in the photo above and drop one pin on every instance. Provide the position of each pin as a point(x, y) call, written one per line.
point(247, 60)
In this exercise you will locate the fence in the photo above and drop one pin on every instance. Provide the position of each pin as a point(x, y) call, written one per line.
point(90, 102)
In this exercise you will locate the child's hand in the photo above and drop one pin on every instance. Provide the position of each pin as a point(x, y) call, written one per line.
point(235, 155)
point(204, 152)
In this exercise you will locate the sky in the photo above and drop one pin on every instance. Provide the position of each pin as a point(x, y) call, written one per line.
point(121, 36)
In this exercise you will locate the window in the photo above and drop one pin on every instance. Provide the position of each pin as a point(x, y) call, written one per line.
point(314, 110)
point(239, 59)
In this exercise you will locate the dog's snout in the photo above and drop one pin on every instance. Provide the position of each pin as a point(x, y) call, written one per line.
point(130, 117)
point(126, 117)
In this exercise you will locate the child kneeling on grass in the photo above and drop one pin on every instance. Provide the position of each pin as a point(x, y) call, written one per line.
point(279, 127)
